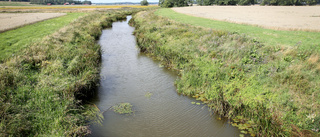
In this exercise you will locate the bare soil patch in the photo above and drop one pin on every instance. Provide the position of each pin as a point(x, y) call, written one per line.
point(273, 17)
point(13, 20)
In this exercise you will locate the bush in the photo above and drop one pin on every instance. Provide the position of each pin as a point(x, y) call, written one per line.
point(144, 3)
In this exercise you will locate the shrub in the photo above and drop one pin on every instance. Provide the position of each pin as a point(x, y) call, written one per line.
point(144, 3)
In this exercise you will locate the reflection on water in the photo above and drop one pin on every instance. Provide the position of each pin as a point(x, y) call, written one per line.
point(129, 76)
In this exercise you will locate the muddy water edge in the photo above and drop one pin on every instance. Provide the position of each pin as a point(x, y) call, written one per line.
point(130, 76)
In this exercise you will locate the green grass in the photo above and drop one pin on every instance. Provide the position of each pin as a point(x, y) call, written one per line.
point(266, 36)
point(15, 40)
point(6, 3)
point(270, 90)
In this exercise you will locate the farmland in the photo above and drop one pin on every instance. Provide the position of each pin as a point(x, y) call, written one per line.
point(12, 20)
point(278, 38)
point(11, 42)
point(273, 17)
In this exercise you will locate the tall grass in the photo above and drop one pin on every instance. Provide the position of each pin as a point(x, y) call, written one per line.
point(41, 90)
point(274, 90)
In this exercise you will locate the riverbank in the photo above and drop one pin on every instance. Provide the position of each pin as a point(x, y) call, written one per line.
point(41, 89)
point(270, 90)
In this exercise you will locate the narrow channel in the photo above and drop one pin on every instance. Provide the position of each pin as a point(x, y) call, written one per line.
point(128, 76)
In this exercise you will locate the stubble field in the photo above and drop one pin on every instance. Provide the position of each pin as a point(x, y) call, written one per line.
point(273, 17)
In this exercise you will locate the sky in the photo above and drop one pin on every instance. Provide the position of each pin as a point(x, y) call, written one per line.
point(113, 1)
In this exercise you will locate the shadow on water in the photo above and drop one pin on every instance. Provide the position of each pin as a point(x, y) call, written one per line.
point(127, 76)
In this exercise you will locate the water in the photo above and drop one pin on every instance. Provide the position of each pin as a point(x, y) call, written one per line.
point(128, 76)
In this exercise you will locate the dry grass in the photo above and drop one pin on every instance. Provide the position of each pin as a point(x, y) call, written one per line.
point(13, 20)
point(305, 18)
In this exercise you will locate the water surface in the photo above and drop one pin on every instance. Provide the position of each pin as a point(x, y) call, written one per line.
point(128, 76)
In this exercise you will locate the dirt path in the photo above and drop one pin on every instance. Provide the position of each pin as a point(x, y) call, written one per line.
point(13, 20)
point(274, 17)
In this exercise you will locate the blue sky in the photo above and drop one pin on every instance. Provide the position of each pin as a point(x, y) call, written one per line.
point(112, 1)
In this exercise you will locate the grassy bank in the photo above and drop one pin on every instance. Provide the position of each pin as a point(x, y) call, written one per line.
point(269, 90)
point(13, 41)
point(41, 89)
point(300, 39)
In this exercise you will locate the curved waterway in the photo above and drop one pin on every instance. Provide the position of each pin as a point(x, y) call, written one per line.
point(129, 76)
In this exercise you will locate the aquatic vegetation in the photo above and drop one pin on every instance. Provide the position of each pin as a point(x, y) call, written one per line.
point(148, 94)
point(123, 108)
point(275, 87)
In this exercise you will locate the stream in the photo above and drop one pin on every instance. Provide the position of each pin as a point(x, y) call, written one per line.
point(130, 76)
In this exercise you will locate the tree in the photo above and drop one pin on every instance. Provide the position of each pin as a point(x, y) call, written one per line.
point(173, 3)
point(144, 3)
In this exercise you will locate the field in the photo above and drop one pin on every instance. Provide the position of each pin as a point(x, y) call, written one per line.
point(277, 38)
point(12, 20)
point(273, 17)
point(13, 41)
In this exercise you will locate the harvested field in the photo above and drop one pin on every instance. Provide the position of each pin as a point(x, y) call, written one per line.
point(13, 20)
point(273, 17)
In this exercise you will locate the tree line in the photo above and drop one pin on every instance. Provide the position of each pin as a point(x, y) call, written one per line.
point(182, 3)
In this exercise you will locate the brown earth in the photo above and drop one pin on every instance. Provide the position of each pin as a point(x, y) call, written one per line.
point(274, 17)
point(13, 20)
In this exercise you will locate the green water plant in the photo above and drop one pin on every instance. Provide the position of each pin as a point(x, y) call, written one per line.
point(148, 94)
point(123, 108)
